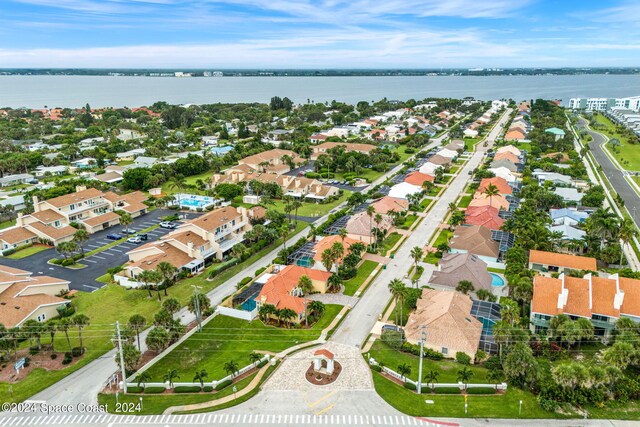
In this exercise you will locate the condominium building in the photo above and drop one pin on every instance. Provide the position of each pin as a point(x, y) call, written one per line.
point(604, 104)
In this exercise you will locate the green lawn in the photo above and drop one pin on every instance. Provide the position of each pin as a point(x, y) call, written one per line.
point(364, 270)
point(408, 222)
point(464, 201)
point(311, 208)
point(448, 369)
point(224, 339)
point(109, 304)
point(31, 250)
point(491, 406)
point(389, 242)
point(435, 190)
point(524, 146)
point(431, 258)
point(628, 155)
point(454, 169)
point(443, 237)
point(189, 180)
point(425, 203)
point(156, 404)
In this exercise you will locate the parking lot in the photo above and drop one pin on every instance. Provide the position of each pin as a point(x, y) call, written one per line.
point(98, 264)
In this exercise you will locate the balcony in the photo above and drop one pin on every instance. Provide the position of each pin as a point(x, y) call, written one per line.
point(86, 206)
point(228, 244)
point(228, 230)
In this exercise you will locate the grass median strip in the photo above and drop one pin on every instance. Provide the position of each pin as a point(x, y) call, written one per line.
point(117, 242)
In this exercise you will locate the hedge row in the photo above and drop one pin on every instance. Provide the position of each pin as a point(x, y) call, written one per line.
point(154, 390)
point(223, 384)
point(481, 390)
point(187, 389)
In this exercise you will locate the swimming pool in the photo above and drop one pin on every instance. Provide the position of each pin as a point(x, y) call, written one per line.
point(496, 280)
point(193, 201)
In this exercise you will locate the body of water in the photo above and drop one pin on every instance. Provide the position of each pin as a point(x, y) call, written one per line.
point(103, 91)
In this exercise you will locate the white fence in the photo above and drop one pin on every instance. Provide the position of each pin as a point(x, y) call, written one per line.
point(213, 383)
point(238, 314)
point(126, 282)
point(460, 385)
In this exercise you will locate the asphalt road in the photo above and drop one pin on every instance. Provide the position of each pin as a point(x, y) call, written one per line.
point(97, 265)
point(613, 174)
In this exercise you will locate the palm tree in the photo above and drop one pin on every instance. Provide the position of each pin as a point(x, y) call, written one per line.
point(33, 329)
point(137, 324)
point(343, 234)
point(626, 232)
point(63, 326)
point(80, 237)
point(167, 271)
point(170, 376)
point(145, 277)
point(178, 183)
point(255, 358)
point(404, 370)
point(51, 328)
point(464, 375)
point(80, 321)
point(338, 252)
point(564, 375)
point(288, 315)
point(334, 282)
point(231, 368)
point(265, 311)
point(587, 330)
point(200, 376)
point(126, 220)
point(398, 292)
point(317, 307)
point(416, 254)
point(378, 221)
point(502, 334)
point(143, 378)
point(604, 224)
point(327, 258)
point(155, 277)
point(490, 191)
point(571, 332)
point(371, 211)
point(431, 377)
point(305, 284)
point(66, 248)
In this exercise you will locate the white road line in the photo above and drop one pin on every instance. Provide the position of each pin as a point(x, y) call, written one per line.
point(114, 249)
point(106, 253)
point(89, 260)
point(96, 256)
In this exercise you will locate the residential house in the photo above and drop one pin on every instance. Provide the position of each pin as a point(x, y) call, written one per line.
point(388, 204)
point(506, 155)
point(43, 171)
point(509, 148)
point(109, 177)
point(281, 290)
point(498, 201)
point(359, 226)
point(505, 174)
point(418, 178)
point(17, 179)
point(500, 183)
point(546, 263)
point(515, 134)
point(485, 216)
point(323, 148)
point(556, 132)
point(439, 160)
point(318, 138)
point(570, 235)
point(272, 161)
point(403, 190)
point(145, 161)
point(504, 163)
point(568, 216)
point(456, 267)
point(446, 316)
point(476, 240)
point(554, 177)
point(326, 243)
point(25, 297)
point(447, 153)
point(601, 300)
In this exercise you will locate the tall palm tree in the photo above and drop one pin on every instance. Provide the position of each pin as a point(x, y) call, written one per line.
point(80, 237)
point(255, 358)
point(200, 376)
point(80, 321)
point(416, 254)
point(404, 370)
point(137, 323)
point(305, 284)
point(334, 282)
point(604, 224)
point(371, 211)
point(63, 326)
point(51, 328)
point(145, 277)
point(464, 375)
point(490, 191)
point(288, 315)
point(168, 272)
point(143, 378)
point(398, 292)
point(179, 184)
point(626, 232)
point(496, 376)
point(126, 220)
point(170, 376)
point(378, 220)
point(265, 311)
point(231, 368)
point(431, 377)
point(172, 305)
point(328, 257)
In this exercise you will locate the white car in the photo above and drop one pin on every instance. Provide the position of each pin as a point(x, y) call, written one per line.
point(134, 239)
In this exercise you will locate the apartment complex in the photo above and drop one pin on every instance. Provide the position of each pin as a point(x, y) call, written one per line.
point(190, 245)
point(604, 104)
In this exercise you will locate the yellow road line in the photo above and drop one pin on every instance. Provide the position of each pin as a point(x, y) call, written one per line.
point(326, 396)
point(325, 409)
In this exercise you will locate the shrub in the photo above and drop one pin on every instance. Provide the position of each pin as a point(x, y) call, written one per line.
point(312, 175)
point(67, 358)
point(481, 390)
point(134, 389)
point(223, 384)
point(244, 281)
point(53, 261)
point(76, 352)
point(376, 368)
point(463, 358)
point(154, 390)
point(410, 386)
point(262, 363)
point(34, 350)
point(54, 356)
point(447, 390)
point(67, 262)
point(207, 388)
point(260, 271)
point(187, 389)
point(393, 339)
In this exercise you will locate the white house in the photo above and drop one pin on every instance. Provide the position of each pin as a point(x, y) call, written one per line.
point(403, 190)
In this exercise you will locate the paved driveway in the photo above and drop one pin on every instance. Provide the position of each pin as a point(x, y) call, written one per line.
point(97, 265)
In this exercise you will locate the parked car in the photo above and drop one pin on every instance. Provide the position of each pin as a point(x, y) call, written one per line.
point(143, 236)
point(167, 224)
point(134, 239)
point(114, 236)
point(128, 231)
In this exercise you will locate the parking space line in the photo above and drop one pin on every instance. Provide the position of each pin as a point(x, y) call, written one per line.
point(96, 256)
point(89, 260)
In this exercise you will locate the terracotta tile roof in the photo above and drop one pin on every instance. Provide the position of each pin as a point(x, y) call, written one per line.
point(498, 202)
point(631, 301)
point(328, 241)
point(447, 316)
point(324, 352)
point(475, 240)
point(501, 183)
point(386, 204)
point(485, 216)
point(277, 290)
point(506, 155)
point(418, 178)
point(603, 292)
point(573, 262)
point(53, 232)
point(16, 235)
point(293, 273)
point(217, 218)
point(185, 237)
point(76, 197)
point(578, 301)
point(169, 254)
point(47, 216)
point(515, 134)
point(14, 308)
point(545, 295)
point(105, 217)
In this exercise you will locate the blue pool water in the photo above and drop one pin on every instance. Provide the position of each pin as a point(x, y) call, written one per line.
point(194, 201)
point(496, 280)
point(221, 151)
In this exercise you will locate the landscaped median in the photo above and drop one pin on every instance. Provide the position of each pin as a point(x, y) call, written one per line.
point(28, 251)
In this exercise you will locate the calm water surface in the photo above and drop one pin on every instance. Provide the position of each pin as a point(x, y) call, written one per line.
point(99, 91)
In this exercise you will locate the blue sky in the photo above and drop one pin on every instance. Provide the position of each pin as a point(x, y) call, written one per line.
point(319, 33)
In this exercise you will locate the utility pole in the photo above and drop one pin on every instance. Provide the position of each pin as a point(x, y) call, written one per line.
point(124, 372)
point(422, 338)
point(197, 306)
